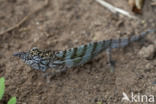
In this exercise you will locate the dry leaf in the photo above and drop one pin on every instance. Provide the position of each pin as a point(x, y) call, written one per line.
point(136, 5)
point(153, 3)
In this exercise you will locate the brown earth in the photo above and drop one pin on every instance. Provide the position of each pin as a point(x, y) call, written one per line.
point(68, 23)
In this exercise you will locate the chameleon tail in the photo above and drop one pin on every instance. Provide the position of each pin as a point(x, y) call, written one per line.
point(125, 41)
point(118, 43)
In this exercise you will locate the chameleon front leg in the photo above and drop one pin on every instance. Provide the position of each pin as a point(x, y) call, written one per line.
point(54, 73)
point(109, 59)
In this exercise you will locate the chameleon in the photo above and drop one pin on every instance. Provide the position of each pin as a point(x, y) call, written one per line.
point(62, 59)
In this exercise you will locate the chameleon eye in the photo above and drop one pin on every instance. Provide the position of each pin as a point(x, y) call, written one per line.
point(34, 51)
point(34, 48)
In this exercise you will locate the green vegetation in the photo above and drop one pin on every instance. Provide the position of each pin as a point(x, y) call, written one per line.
point(2, 90)
point(99, 102)
point(12, 100)
point(2, 87)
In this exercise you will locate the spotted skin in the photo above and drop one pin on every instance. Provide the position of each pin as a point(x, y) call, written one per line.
point(44, 59)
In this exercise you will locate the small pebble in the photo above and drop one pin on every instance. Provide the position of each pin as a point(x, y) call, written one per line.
point(98, 35)
point(148, 67)
point(147, 52)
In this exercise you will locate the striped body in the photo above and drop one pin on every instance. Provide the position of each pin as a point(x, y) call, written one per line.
point(72, 57)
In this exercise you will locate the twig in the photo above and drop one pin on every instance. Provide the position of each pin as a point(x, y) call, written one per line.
point(115, 9)
point(24, 19)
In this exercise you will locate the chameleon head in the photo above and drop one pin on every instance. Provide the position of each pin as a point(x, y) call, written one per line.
point(22, 55)
point(35, 58)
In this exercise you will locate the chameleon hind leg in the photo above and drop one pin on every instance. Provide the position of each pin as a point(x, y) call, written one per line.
point(109, 58)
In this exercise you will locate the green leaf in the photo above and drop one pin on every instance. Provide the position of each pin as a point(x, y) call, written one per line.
point(12, 100)
point(2, 87)
point(99, 102)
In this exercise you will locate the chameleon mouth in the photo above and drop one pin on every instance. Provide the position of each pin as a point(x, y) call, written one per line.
point(18, 54)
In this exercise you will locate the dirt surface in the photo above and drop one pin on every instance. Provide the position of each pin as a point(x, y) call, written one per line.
point(68, 23)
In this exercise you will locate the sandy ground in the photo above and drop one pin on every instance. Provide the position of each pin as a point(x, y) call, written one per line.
point(68, 23)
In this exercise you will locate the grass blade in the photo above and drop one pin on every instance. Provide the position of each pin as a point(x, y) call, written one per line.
point(2, 87)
